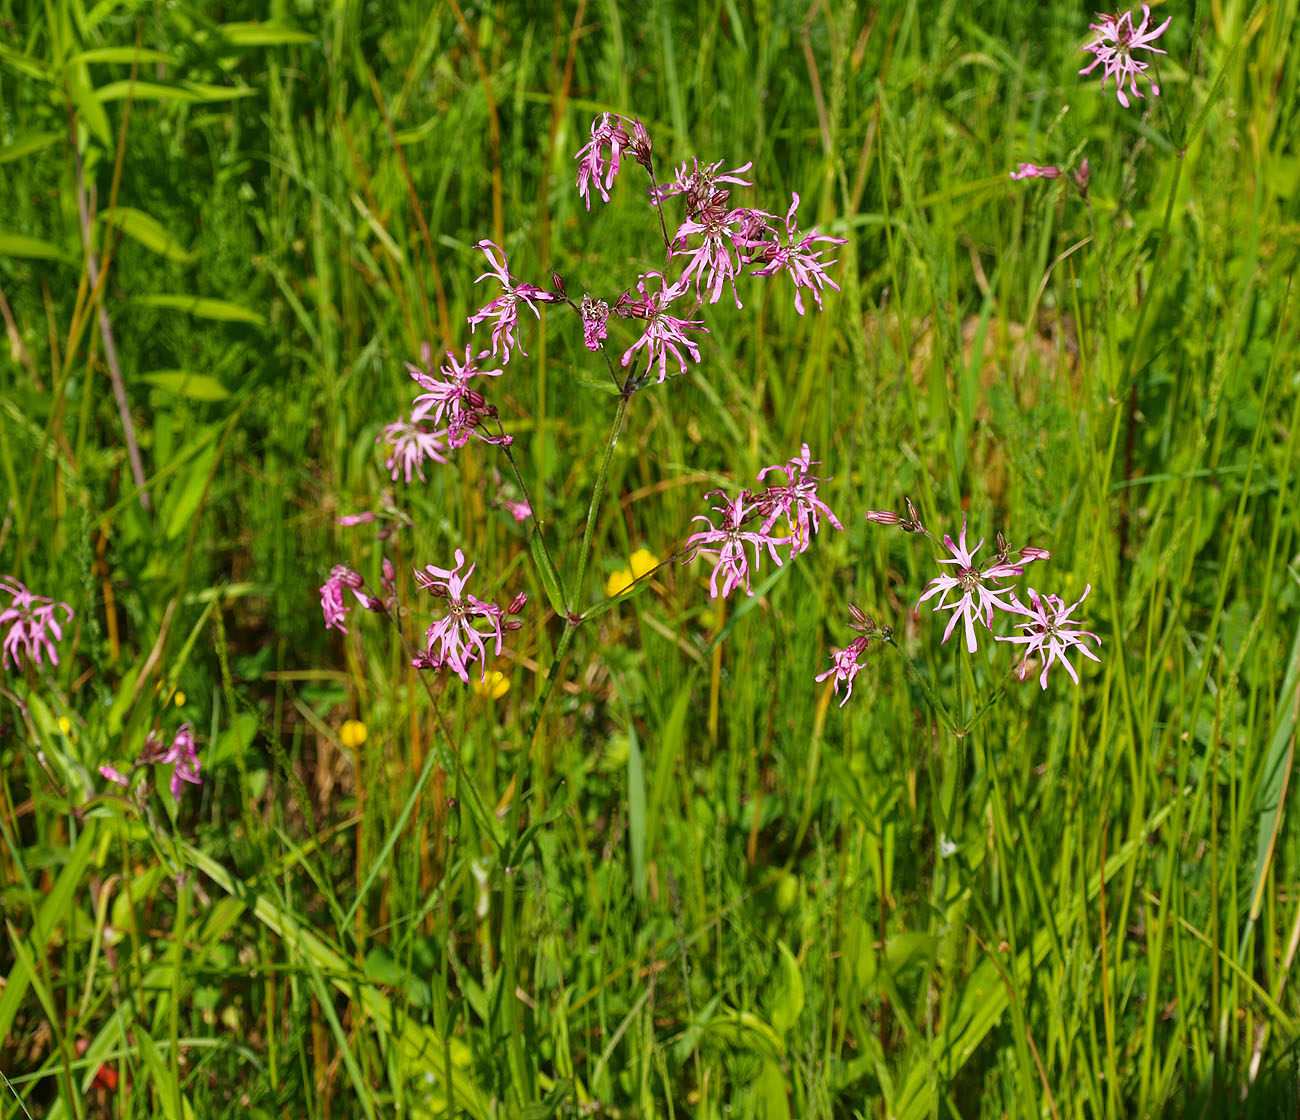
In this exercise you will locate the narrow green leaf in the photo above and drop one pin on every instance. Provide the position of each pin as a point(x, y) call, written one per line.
point(549, 576)
point(193, 92)
point(32, 249)
point(24, 145)
point(148, 231)
point(122, 55)
point(186, 494)
point(195, 386)
point(203, 307)
point(636, 809)
point(262, 34)
point(787, 1001)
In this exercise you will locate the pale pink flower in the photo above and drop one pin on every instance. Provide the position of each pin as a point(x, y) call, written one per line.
point(593, 164)
point(520, 511)
point(845, 666)
point(977, 599)
point(1033, 171)
point(797, 501)
point(409, 445)
point(31, 620)
point(1050, 633)
point(798, 257)
point(664, 333)
point(114, 775)
point(504, 310)
point(594, 314)
point(728, 544)
point(365, 517)
point(1116, 41)
point(331, 596)
point(454, 641)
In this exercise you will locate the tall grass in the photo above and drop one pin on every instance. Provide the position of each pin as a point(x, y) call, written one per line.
point(701, 887)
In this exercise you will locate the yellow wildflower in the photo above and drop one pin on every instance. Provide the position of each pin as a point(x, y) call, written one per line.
point(619, 582)
point(643, 560)
point(353, 733)
point(179, 699)
point(494, 686)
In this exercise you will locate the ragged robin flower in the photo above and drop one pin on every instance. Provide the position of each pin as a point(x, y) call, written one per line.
point(31, 619)
point(1050, 633)
point(1116, 41)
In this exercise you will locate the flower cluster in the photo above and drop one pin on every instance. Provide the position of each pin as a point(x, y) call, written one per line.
point(976, 591)
point(1116, 41)
point(33, 625)
point(182, 755)
point(748, 520)
point(455, 641)
point(594, 166)
point(333, 604)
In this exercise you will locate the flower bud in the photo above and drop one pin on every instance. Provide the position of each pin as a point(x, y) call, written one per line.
point(1029, 554)
point(474, 398)
point(1082, 176)
point(641, 146)
point(346, 576)
point(883, 517)
point(557, 282)
point(390, 573)
point(350, 519)
point(517, 603)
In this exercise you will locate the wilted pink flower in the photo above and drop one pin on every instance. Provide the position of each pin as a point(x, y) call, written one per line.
point(31, 620)
point(797, 501)
point(364, 518)
point(504, 309)
point(1050, 633)
point(700, 185)
point(728, 544)
point(1033, 171)
point(409, 445)
point(331, 596)
point(592, 161)
point(797, 257)
point(977, 599)
point(594, 314)
point(1116, 41)
point(184, 754)
point(664, 333)
point(845, 666)
point(454, 641)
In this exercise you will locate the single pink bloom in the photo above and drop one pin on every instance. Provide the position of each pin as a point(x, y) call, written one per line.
point(845, 666)
point(331, 596)
point(593, 164)
point(364, 518)
point(451, 398)
point(976, 600)
point(31, 620)
point(520, 511)
point(798, 257)
point(1116, 41)
point(664, 333)
point(797, 501)
point(454, 641)
point(1033, 171)
point(115, 776)
point(409, 445)
point(716, 261)
point(700, 185)
point(184, 754)
point(728, 544)
point(504, 310)
point(594, 314)
point(1050, 633)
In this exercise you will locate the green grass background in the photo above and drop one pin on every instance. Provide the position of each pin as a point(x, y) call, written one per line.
point(707, 890)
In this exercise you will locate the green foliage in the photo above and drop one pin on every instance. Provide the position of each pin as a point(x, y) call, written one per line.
point(663, 873)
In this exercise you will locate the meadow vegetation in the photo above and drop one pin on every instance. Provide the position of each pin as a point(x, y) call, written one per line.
point(643, 862)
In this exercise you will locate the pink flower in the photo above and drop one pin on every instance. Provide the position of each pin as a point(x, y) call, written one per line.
point(593, 163)
point(664, 334)
point(331, 596)
point(451, 399)
point(1116, 41)
point(409, 446)
point(730, 541)
point(845, 666)
point(114, 775)
point(348, 520)
point(716, 260)
point(504, 309)
point(454, 641)
point(31, 619)
point(1050, 633)
point(520, 511)
point(184, 754)
point(700, 185)
point(1033, 171)
point(797, 501)
point(798, 258)
point(977, 600)
point(594, 314)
